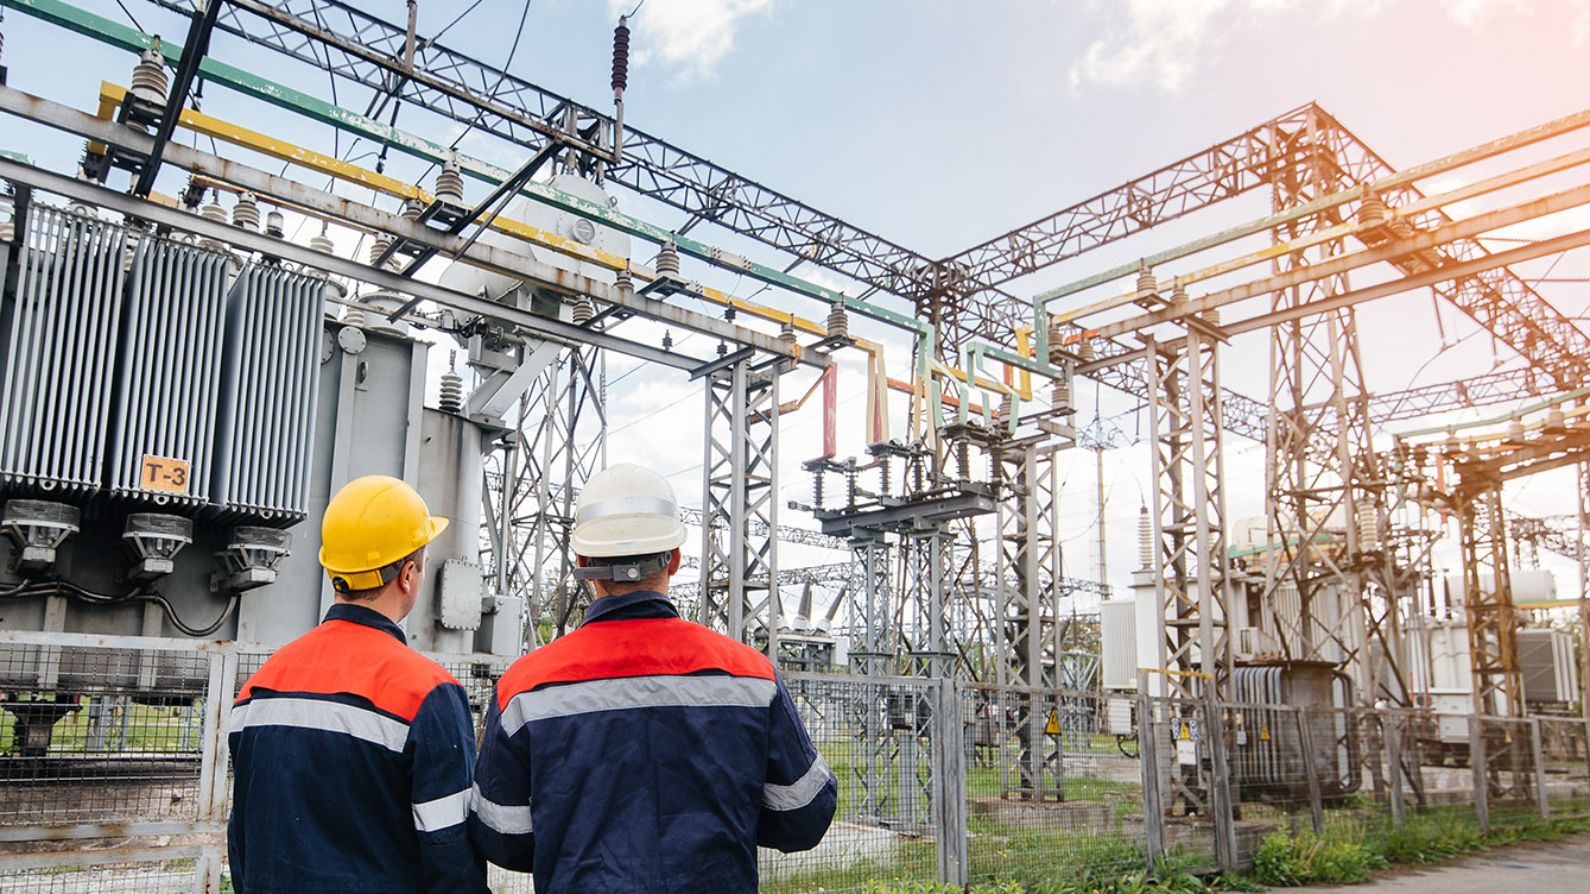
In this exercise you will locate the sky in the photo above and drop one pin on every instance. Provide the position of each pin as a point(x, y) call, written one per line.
point(939, 124)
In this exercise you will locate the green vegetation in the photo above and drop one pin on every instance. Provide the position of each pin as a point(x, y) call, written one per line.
point(1284, 860)
point(1348, 852)
point(149, 729)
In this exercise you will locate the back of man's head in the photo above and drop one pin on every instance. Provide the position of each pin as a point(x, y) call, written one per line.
point(627, 530)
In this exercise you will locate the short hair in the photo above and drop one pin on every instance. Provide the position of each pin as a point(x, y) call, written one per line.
point(393, 569)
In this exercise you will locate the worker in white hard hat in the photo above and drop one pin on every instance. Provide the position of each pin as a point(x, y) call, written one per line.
point(353, 755)
point(643, 752)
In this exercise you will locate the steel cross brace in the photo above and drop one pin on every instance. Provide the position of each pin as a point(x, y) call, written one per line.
point(194, 50)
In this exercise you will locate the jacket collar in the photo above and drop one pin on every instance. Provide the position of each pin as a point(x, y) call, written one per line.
point(369, 617)
point(632, 605)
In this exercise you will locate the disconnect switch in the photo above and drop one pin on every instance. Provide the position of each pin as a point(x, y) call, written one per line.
point(460, 587)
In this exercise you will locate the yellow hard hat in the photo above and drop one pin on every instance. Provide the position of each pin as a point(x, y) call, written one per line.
point(370, 524)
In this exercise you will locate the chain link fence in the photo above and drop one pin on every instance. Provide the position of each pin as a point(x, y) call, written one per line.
point(114, 776)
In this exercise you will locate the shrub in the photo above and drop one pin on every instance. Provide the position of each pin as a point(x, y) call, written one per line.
point(1284, 860)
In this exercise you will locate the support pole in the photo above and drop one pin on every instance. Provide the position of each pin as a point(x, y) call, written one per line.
point(949, 782)
point(1316, 804)
point(1538, 757)
point(1392, 724)
point(1477, 760)
point(1148, 745)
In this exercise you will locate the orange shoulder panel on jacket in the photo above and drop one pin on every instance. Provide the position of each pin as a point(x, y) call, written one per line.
point(342, 657)
point(633, 648)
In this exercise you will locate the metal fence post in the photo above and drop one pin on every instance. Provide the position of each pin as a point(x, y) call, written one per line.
point(949, 773)
point(1482, 792)
point(221, 671)
point(1538, 755)
point(1220, 783)
point(1148, 764)
point(1391, 725)
point(1316, 804)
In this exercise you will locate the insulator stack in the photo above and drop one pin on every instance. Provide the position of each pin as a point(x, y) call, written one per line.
point(1147, 285)
point(452, 396)
point(1368, 527)
point(1178, 295)
point(322, 241)
point(450, 182)
point(584, 310)
point(378, 247)
point(817, 488)
point(884, 473)
point(668, 260)
point(1007, 406)
point(149, 79)
point(412, 209)
point(1060, 396)
point(1212, 316)
point(786, 332)
point(1373, 212)
point(963, 460)
point(1515, 430)
point(212, 212)
point(626, 283)
point(620, 58)
point(245, 214)
point(275, 224)
point(850, 485)
point(1145, 540)
point(838, 321)
point(1086, 351)
point(353, 316)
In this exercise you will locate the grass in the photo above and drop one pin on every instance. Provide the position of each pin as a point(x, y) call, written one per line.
point(150, 729)
point(1348, 852)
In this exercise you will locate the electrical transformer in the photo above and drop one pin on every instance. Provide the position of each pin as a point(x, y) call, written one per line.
point(174, 419)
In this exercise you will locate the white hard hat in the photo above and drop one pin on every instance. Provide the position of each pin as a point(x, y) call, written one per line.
point(626, 510)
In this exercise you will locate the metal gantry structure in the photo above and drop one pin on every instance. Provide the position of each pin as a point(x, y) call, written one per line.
point(920, 574)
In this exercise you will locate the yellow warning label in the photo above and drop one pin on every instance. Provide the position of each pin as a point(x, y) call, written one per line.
point(1186, 733)
point(1264, 732)
point(1052, 728)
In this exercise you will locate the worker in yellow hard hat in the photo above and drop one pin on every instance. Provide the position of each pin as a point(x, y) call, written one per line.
point(354, 754)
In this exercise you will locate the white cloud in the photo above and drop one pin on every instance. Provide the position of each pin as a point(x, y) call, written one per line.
point(1471, 13)
point(1161, 42)
point(1581, 25)
point(688, 36)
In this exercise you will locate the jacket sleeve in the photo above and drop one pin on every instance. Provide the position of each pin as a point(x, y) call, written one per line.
point(499, 808)
point(800, 794)
point(234, 826)
point(443, 741)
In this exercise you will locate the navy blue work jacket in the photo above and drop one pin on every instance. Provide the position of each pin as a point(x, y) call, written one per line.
point(643, 753)
point(353, 757)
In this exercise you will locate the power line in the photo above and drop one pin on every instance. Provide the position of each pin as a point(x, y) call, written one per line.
point(438, 35)
point(130, 17)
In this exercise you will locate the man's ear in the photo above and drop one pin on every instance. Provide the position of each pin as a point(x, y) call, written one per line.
point(674, 562)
